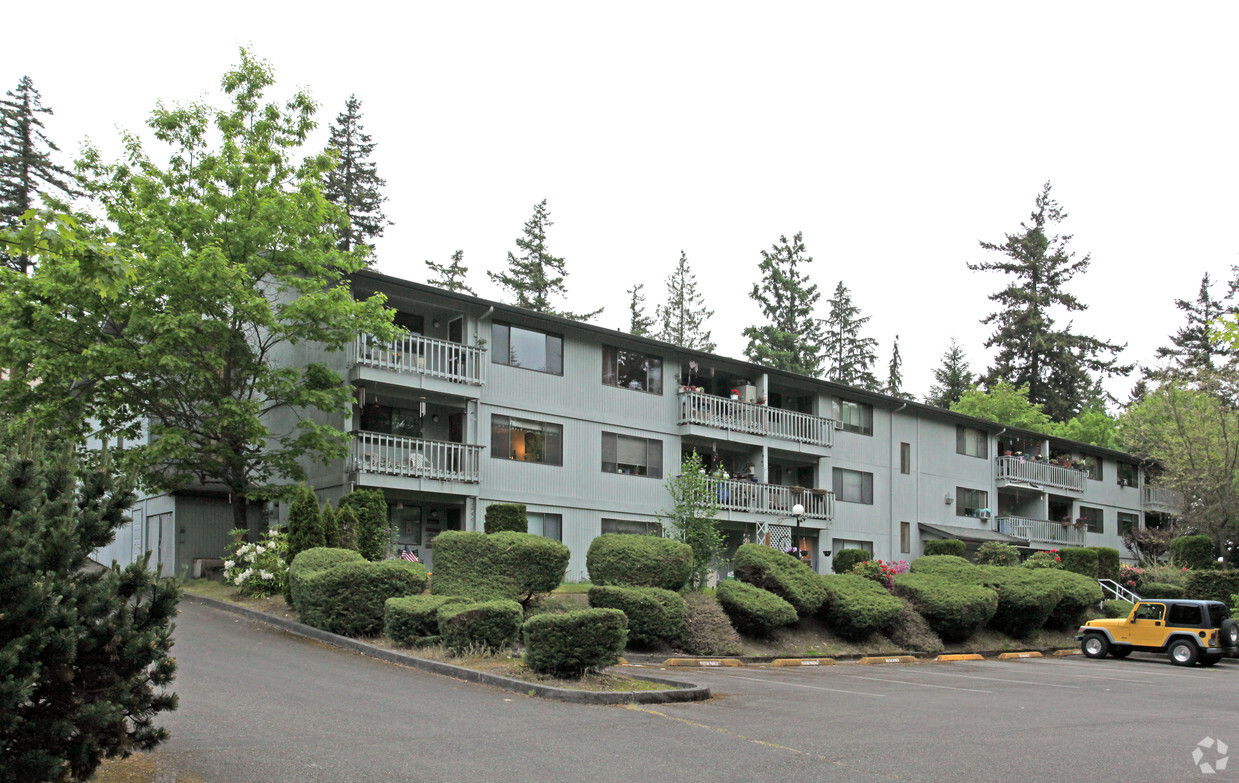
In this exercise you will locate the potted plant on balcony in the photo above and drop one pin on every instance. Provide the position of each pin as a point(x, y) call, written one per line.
point(1080, 522)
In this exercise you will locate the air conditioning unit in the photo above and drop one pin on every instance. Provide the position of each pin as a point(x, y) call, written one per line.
point(984, 514)
point(838, 424)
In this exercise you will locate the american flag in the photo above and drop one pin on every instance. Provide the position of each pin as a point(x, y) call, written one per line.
point(407, 555)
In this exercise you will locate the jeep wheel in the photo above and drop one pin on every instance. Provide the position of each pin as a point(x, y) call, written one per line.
point(1120, 652)
point(1095, 645)
point(1210, 659)
point(1230, 632)
point(1183, 652)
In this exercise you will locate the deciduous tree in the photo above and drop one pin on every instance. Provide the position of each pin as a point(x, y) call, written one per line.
point(849, 355)
point(791, 339)
point(1004, 404)
point(692, 517)
point(354, 185)
point(682, 319)
point(534, 276)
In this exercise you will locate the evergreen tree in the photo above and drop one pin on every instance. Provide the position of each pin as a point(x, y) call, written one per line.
point(451, 276)
point(894, 376)
point(354, 184)
point(792, 340)
point(331, 526)
point(954, 378)
point(26, 167)
point(639, 323)
point(1053, 363)
point(305, 527)
point(849, 355)
point(682, 319)
point(534, 276)
point(346, 517)
point(372, 531)
point(1195, 345)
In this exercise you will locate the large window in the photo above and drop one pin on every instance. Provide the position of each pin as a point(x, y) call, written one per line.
point(856, 416)
point(517, 346)
point(1093, 519)
point(549, 525)
point(632, 528)
point(526, 441)
point(1092, 465)
point(971, 442)
point(632, 456)
point(1127, 474)
point(853, 486)
point(1128, 522)
point(969, 501)
point(630, 370)
point(391, 421)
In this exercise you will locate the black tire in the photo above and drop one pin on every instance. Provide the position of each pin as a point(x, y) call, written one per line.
point(1120, 652)
point(1183, 652)
point(1210, 659)
point(1230, 632)
point(1095, 645)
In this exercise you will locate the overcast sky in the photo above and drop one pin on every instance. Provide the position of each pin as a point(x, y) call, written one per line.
point(893, 135)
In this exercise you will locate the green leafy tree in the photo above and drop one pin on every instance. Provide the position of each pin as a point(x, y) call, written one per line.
point(792, 338)
point(1004, 404)
point(894, 375)
point(26, 166)
point(639, 323)
point(354, 184)
point(692, 517)
point(305, 526)
point(953, 377)
point(1055, 364)
point(85, 660)
point(1197, 344)
point(849, 356)
point(681, 321)
point(1093, 426)
point(451, 276)
point(225, 266)
point(534, 276)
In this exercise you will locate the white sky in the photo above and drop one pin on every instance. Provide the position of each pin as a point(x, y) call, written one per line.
point(894, 135)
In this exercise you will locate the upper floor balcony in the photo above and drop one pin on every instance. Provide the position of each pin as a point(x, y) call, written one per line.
point(736, 495)
point(1041, 531)
point(1044, 475)
point(1162, 500)
point(418, 358)
point(378, 454)
point(734, 416)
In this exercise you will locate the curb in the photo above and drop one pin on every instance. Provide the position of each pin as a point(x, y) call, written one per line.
point(803, 662)
point(1016, 655)
point(1065, 653)
point(878, 659)
point(702, 662)
point(683, 692)
point(961, 657)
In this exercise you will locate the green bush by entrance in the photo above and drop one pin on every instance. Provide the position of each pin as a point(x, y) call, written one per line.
point(311, 561)
point(348, 599)
point(857, 607)
point(571, 644)
point(506, 517)
point(845, 559)
point(1079, 593)
point(414, 620)
point(654, 616)
point(752, 610)
point(954, 610)
point(485, 626)
point(639, 561)
point(946, 546)
point(1080, 560)
point(782, 574)
point(514, 566)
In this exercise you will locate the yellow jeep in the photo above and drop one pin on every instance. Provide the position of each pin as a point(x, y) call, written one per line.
point(1189, 631)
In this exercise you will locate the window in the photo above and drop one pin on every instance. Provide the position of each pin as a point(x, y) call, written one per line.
point(905, 459)
point(1185, 614)
point(853, 486)
point(632, 528)
point(1092, 465)
point(526, 441)
point(1093, 519)
point(629, 370)
point(856, 416)
point(905, 537)
point(548, 525)
point(839, 544)
point(971, 442)
point(517, 346)
point(1150, 611)
point(969, 501)
point(1127, 474)
point(632, 456)
point(1128, 523)
point(391, 421)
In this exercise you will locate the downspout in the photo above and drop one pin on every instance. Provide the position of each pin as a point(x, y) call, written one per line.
point(895, 533)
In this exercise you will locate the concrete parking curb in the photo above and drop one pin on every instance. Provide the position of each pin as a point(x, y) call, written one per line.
point(702, 662)
point(961, 657)
point(880, 659)
point(1015, 655)
point(682, 691)
point(803, 662)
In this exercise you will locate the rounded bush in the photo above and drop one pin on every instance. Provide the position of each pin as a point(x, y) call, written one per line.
point(1161, 590)
point(571, 644)
point(752, 610)
point(946, 546)
point(1079, 592)
point(954, 610)
point(506, 517)
point(1080, 560)
point(998, 554)
point(782, 574)
point(1025, 599)
point(348, 599)
point(489, 625)
point(1107, 562)
point(950, 566)
point(639, 561)
point(1193, 551)
point(1117, 608)
point(857, 607)
point(654, 615)
point(1213, 586)
point(414, 619)
point(1045, 558)
point(845, 559)
point(311, 561)
point(513, 566)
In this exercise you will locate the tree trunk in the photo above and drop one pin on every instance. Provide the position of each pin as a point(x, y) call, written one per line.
point(240, 516)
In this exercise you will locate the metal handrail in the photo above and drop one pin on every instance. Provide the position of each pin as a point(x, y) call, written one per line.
point(1041, 531)
point(1041, 473)
point(1118, 591)
point(425, 355)
point(737, 495)
point(395, 455)
point(737, 416)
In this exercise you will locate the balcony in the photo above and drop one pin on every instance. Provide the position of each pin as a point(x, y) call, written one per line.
point(734, 495)
point(1043, 475)
point(394, 455)
point(1161, 500)
point(735, 416)
point(1041, 531)
point(423, 356)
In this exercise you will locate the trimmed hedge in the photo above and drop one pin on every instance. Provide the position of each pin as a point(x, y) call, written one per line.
point(571, 644)
point(782, 574)
point(944, 565)
point(414, 620)
point(373, 533)
point(1161, 590)
point(489, 625)
point(1193, 552)
point(845, 559)
point(1117, 608)
point(311, 561)
point(485, 567)
point(1080, 560)
point(1212, 585)
point(1079, 593)
point(506, 517)
point(946, 546)
point(752, 610)
point(348, 599)
point(639, 561)
point(1025, 598)
point(997, 553)
point(954, 610)
point(654, 615)
point(857, 607)
point(1107, 562)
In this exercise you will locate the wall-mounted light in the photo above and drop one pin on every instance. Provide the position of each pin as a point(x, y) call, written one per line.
point(948, 499)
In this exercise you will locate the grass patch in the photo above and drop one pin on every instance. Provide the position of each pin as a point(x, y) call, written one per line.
point(140, 768)
point(571, 588)
point(211, 588)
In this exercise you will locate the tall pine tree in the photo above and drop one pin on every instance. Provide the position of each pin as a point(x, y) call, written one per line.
point(953, 377)
point(354, 184)
point(451, 276)
point(1056, 365)
point(682, 319)
point(849, 356)
point(535, 275)
point(792, 339)
point(26, 166)
point(894, 375)
point(1195, 346)
point(639, 323)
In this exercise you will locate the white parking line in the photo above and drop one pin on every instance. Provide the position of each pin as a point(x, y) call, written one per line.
point(1145, 668)
point(918, 684)
point(809, 687)
point(1090, 676)
point(928, 670)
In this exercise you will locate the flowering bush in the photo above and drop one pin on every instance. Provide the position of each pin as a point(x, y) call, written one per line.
point(258, 569)
point(1131, 576)
point(880, 571)
point(1044, 559)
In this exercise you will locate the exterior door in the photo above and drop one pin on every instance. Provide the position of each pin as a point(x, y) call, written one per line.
point(1148, 626)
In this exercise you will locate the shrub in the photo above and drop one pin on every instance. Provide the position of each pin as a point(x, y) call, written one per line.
point(346, 518)
point(1131, 577)
point(856, 606)
point(639, 561)
point(506, 517)
point(1107, 562)
point(911, 632)
point(996, 553)
point(312, 561)
point(654, 615)
point(414, 619)
point(1161, 590)
point(946, 546)
point(880, 571)
point(305, 528)
point(949, 566)
point(1117, 608)
point(569, 645)
point(489, 625)
point(373, 533)
point(258, 569)
point(782, 574)
point(845, 559)
point(1025, 600)
point(1079, 560)
point(752, 610)
point(348, 599)
point(954, 610)
point(1079, 592)
point(1193, 552)
point(1045, 558)
point(1212, 585)
point(331, 526)
point(707, 631)
point(514, 566)
point(1166, 574)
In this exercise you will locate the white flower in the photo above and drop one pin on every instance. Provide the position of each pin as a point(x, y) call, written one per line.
point(259, 549)
point(229, 564)
point(246, 574)
point(266, 575)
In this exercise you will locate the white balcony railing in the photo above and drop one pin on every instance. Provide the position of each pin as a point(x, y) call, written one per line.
point(1163, 499)
point(395, 455)
point(720, 412)
point(425, 355)
point(734, 495)
point(1041, 531)
point(1042, 474)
